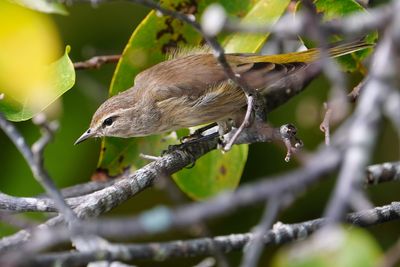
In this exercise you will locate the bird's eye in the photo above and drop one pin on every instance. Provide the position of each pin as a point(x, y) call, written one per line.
point(108, 121)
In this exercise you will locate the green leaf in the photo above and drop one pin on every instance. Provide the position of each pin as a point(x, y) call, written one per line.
point(147, 46)
point(262, 12)
point(62, 75)
point(343, 247)
point(331, 10)
point(213, 173)
point(44, 6)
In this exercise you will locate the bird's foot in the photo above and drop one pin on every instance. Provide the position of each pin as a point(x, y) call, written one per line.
point(187, 144)
point(180, 147)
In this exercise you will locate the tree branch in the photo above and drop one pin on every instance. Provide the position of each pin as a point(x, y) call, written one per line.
point(96, 62)
point(281, 233)
point(365, 125)
point(385, 172)
point(34, 159)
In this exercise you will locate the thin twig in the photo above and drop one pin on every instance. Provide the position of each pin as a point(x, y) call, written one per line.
point(364, 129)
point(355, 93)
point(96, 62)
point(254, 247)
point(325, 124)
point(359, 201)
point(201, 228)
point(16, 221)
point(34, 160)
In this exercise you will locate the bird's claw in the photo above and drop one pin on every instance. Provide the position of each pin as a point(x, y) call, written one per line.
point(173, 148)
point(183, 146)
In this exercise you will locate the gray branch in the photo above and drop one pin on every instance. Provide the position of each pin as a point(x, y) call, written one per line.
point(96, 62)
point(34, 159)
point(281, 233)
point(365, 123)
point(385, 172)
point(24, 204)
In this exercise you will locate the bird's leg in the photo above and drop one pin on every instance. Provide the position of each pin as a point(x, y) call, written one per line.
point(256, 112)
point(187, 144)
point(246, 122)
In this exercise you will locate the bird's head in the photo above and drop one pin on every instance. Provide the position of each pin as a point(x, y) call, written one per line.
point(112, 118)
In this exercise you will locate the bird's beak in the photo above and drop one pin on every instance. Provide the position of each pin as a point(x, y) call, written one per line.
point(89, 133)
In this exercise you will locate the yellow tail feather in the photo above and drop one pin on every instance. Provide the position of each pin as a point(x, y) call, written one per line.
point(311, 54)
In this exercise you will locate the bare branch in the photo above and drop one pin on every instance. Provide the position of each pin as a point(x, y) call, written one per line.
point(255, 245)
point(16, 220)
point(34, 160)
point(96, 62)
point(281, 233)
point(325, 124)
point(385, 172)
point(364, 128)
point(161, 219)
point(19, 204)
point(355, 93)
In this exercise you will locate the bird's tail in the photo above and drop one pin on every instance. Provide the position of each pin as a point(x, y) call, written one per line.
point(313, 54)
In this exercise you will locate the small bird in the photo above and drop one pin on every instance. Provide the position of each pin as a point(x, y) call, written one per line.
point(192, 89)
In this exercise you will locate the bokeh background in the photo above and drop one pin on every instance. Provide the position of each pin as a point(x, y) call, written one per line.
point(105, 29)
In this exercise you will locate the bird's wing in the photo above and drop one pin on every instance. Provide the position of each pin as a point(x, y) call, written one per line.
point(187, 76)
point(193, 75)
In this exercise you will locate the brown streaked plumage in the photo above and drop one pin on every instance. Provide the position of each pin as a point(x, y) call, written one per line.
point(192, 89)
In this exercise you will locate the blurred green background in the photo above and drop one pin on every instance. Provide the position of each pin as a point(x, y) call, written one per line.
point(104, 29)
